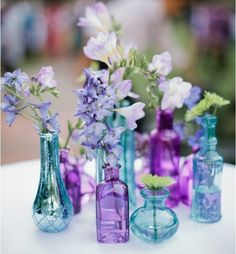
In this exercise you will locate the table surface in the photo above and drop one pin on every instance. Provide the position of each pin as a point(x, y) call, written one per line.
point(20, 236)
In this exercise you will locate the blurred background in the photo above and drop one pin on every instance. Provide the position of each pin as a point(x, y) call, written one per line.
point(199, 34)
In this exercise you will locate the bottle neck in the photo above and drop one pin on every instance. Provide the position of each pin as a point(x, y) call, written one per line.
point(154, 198)
point(111, 173)
point(49, 151)
point(164, 119)
point(209, 141)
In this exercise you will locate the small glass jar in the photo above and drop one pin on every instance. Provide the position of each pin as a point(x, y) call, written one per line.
point(112, 208)
point(154, 222)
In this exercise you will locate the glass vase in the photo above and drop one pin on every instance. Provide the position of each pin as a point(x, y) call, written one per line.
point(127, 173)
point(52, 208)
point(207, 171)
point(165, 153)
point(72, 179)
point(112, 208)
point(186, 180)
point(154, 222)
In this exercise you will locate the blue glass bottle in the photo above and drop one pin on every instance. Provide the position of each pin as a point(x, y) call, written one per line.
point(52, 208)
point(127, 173)
point(154, 222)
point(207, 171)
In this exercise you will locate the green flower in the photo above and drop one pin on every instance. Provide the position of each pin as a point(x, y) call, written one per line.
point(155, 182)
point(203, 107)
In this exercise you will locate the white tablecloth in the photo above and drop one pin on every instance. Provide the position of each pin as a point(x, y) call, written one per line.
point(21, 236)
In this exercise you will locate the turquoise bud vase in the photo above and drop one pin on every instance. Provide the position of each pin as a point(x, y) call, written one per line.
point(207, 171)
point(127, 158)
point(52, 208)
point(127, 173)
point(154, 222)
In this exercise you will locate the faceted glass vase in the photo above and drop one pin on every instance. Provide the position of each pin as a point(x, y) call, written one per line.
point(165, 153)
point(52, 208)
point(112, 208)
point(154, 222)
point(207, 171)
point(71, 176)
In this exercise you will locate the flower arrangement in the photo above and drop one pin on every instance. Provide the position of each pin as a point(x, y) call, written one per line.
point(20, 91)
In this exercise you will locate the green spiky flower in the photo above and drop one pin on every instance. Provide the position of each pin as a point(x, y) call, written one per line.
point(155, 182)
point(203, 107)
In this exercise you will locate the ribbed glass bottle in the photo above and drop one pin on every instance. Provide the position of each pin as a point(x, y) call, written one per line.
point(207, 171)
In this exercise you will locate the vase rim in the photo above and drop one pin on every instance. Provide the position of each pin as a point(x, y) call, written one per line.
point(48, 134)
point(158, 194)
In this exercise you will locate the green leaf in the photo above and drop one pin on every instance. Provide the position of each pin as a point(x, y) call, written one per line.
point(155, 182)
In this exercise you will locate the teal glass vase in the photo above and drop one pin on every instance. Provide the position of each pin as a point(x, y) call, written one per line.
point(154, 222)
point(52, 208)
point(127, 173)
point(207, 171)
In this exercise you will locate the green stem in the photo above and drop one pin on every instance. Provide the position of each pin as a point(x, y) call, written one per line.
point(215, 110)
point(154, 219)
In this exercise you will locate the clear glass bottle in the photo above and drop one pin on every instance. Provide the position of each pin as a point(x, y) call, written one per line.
point(72, 179)
point(154, 222)
point(126, 172)
point(52, 208)
point(207, 171)
point(165, 153)
point(112, 208)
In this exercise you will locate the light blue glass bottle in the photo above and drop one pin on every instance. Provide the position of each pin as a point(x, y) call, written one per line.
point(127, 173)
point(207, 171)
point(52, 208)
point(154, 222)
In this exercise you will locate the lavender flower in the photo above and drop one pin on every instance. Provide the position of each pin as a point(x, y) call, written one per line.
point(17, 81)
point(45, 77)
point(9, 106)
point(180, 129)
point(132, 114)
point(195, 96)
point(17, 90)
point(97, 17)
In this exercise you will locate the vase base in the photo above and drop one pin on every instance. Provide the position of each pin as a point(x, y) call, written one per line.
point(113, 237)
point(202, 220)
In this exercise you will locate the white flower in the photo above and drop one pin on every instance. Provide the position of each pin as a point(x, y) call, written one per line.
point(132, 114)
point(103, 48)
point(161, 64)
point(175, 92)
point(97, 17)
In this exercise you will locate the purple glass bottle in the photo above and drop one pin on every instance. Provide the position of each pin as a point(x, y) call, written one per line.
point(165, 153)
point(72, 180)
point(112, 208)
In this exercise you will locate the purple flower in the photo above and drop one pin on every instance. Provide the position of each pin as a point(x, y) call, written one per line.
point(194, 141)
point(180, 129)
point(195, 96)
point(17, 80)
point(45, 77)
point(132, 114)
point(9, 106)
point(53, 122)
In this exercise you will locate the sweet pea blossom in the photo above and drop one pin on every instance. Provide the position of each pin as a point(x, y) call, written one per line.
point(176, 91)
point(97, 17)
point(161, 64)
point(45, 77)
point(103, 48)
point(132, 114)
